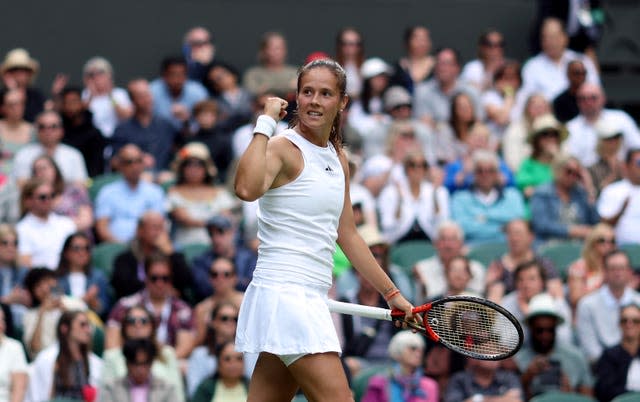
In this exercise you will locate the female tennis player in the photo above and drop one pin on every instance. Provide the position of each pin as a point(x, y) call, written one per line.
point(300, 179)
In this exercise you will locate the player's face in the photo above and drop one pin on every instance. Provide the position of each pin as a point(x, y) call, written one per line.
point(319, 99)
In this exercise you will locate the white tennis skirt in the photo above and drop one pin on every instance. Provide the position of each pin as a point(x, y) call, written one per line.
point(285, 318)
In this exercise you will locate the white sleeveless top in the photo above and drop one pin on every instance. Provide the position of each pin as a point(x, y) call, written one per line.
point(298, 222)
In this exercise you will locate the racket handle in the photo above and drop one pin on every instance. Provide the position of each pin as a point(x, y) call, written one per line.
point(377, 313)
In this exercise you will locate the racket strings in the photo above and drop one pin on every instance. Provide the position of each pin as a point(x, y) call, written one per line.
point(473, 329)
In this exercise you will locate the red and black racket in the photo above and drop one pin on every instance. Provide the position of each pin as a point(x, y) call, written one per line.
point(472, 326)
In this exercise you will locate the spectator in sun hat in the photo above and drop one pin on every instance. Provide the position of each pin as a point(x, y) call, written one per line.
point(609, 168)
point(194, 199)
point(18, 71)
point(546, 136)
point(367, 114)
point(546, 363)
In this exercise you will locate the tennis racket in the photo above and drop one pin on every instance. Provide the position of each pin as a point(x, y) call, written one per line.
point(472, 326)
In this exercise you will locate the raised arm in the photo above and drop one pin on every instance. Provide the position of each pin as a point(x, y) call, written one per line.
point(263, 159)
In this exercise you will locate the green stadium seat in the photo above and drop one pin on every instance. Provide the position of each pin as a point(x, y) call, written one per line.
point(193, 250)
point(633, 251)
point(627, 397)
point(104, 254)
point(100, 181)
point(486, 253)
point(562, 255)
point(556, 396)
point(361, 380)
point(406, 254)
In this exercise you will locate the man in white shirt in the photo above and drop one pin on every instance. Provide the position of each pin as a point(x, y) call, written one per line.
point(50, 133)
point(583, 136)
point(430, 272)
point(619, 202)
point(598, 312)
point(546, 72)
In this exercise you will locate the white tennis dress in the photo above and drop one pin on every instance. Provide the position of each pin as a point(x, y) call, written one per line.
point(284, 309)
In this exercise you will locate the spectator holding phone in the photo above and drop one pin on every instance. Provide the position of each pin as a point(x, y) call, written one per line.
point(548, 365)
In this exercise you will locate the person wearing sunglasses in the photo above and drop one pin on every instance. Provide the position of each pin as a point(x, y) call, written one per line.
point(586, 274)
point(229, 382)
point(547, 364)
point(67, 369)
point(139, 325)
point(78, 279)
point(487, 206)
point(223, 280)
point(617, 369)
point(480, 71)
point(42, 232)
point(172, 315)
point(139, 381)
point(116, 220)
point(220, 328)
point(50, 132)
point(564, 209)
point(565, 105)
point(412, 209)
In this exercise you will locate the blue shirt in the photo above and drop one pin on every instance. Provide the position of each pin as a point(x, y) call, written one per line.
point(192, 93)
point(155, 139)
point(124, 205)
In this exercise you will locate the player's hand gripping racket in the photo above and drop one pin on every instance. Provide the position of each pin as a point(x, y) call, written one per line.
point(473, 326)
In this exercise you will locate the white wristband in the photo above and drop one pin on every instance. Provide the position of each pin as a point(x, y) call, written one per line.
point(265, 125)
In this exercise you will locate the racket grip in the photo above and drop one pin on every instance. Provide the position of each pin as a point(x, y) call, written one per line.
point(377, 313)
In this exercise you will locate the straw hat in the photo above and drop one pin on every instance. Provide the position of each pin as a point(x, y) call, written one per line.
point(543, 305)
point(371, 235)
point(544, 123)
point(195, 150)
point(19, 58)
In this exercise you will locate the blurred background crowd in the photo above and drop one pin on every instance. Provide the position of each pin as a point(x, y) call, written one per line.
point(124, 252)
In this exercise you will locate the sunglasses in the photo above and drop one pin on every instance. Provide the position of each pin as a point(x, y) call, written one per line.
point(584, 98)
point(44, 197)
point(132, 161)
point(237, 358)
point(9, 242)
point(494, 44)
point(572, 172)
point(156, 278)
point(485, 170)
point(49, 126)
point(198, 43)
point(542, 330)
point(578, 72)
point(224, 274)
point(76, 247)
point(603, 240)
point(627, 320)
point(194, 162)
point(549, 133)
point(228, 318)
point(140, 364)
point(137, 320)
point(417, 164)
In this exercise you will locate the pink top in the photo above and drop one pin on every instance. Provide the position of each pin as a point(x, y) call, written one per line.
point(579, 270)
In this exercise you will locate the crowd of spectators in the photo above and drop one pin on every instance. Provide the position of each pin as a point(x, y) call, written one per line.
point(124, 252)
